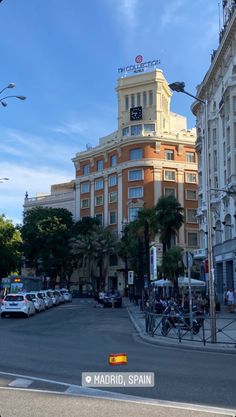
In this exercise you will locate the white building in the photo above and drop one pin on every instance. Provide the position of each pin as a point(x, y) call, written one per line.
point(61, 196)
point(218, 88)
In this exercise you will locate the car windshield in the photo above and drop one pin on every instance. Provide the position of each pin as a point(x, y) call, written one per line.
point(30, 296)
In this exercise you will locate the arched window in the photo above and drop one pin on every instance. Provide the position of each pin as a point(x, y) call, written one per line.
point(218, 232)
point(202, 239)
point(228, 227)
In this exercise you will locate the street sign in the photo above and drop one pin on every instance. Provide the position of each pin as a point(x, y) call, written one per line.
point(153, 263)
point(159, 247)
point(131, 277)
point(6, 282)
point(187, 259)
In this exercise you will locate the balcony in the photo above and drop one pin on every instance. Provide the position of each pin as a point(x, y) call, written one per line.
point(50, 200)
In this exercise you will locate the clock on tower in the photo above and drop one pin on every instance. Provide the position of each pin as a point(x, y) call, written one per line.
point(136, 113)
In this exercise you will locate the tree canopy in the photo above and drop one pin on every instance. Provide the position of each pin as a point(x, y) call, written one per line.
point(10, 247)
point(45, 233)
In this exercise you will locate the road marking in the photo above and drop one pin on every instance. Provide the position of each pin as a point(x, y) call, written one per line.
point(21, 383)
point(108, 395)
point(68, 307)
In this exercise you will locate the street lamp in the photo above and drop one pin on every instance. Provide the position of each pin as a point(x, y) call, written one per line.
point(3, 179)
point(229, 192)
point(4, 103)
point(179, 87)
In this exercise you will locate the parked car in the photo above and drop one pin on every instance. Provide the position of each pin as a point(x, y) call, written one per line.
point(15, 304)
point(67, 295)
point(54, 296)
point(60, 295)
point(38, 301)
point(112, 298)
point(47, 300)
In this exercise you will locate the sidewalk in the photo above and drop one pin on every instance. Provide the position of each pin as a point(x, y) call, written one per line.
point(226, 332)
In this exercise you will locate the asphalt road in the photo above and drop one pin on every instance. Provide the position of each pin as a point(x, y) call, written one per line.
point(65, 341)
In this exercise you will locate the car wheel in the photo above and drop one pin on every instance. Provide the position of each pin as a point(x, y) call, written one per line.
point(3, 315)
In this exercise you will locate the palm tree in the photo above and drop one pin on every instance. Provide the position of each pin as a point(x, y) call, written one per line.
point(172, 266)
point(84, 251)
point(169, 214)
point(147, 227)
point(106, 244)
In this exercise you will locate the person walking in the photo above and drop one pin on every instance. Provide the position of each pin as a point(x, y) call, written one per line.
point(231, 300)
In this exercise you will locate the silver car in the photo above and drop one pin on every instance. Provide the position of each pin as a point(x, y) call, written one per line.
point(47, 299)
point(61, 296)
point(67, 295)
point(54, 296)
point(38, 301)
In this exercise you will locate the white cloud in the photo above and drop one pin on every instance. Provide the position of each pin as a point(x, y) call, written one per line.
point(172, 13)
point(128, 12)
point(24, 179)
point(32, 149)
point(71, 128)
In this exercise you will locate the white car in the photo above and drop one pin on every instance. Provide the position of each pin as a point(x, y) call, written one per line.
point(48, 300)
point(67, 295)
point(54, 296)
point(61, 296)
point(38, 301)
point(13, 304)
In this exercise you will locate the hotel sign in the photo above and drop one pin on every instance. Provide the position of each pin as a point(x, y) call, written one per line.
point(139, 65)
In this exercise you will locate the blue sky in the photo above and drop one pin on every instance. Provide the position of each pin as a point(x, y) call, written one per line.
point(63, 55)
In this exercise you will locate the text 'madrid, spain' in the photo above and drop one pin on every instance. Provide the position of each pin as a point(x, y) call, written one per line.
point(118, 379)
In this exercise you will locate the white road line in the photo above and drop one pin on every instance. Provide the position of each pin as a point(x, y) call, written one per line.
point(108, 395)
point(21, 383)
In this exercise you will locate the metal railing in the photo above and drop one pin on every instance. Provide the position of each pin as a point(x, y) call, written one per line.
point(178, 327)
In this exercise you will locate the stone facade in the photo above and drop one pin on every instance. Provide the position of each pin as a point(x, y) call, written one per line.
point(218, 89)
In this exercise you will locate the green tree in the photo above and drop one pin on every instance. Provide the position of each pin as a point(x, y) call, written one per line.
point(91, 247)
point(170, 218)
point(106, 245)
point(172, 265)
point(46, 233)
point(84, 249)
point(10, 247)
point(134, 245)
point(147, 228)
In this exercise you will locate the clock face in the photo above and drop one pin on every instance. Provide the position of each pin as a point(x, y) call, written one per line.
point(136, 113)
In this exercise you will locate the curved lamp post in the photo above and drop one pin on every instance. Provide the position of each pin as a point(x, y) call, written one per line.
point(4, 103)
point(179, 87)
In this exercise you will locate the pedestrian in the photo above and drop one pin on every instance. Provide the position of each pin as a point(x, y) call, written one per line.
point(158, 306)
point(230, 300)
point(205, 304)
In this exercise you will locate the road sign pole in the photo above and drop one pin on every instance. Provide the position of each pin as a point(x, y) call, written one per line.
point(187, 259)
point(190, 294)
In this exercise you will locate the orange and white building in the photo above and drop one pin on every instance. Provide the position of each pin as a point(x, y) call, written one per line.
point(151, 154)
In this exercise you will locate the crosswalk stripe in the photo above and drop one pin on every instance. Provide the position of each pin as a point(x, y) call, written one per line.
point(21, 383)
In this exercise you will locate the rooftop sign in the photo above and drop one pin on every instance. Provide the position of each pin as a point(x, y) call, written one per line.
point(139, 65)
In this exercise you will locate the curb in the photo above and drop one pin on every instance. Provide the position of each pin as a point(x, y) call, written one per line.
point(174, 345)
